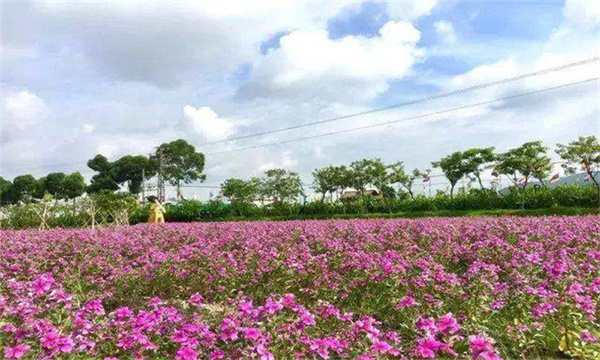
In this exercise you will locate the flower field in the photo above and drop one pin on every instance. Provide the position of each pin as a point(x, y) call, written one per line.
point(462, 288)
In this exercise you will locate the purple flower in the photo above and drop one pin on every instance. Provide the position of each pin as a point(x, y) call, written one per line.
point(15, 352)
point(447, 324)
point(186, 353)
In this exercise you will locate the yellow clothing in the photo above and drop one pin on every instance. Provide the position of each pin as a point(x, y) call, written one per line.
point(156, 214)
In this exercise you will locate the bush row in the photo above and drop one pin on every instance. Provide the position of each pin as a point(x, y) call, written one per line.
point(530, 198)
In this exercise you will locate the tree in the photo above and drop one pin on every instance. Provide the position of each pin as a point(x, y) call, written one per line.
point(397, 175)
point(475, 161)
point(52, 184)
point(453, 168)
point(368, 172)
point(281, 184)
point(73, 186)
point(327, 179)
point(23, 188)
point(527, 161)
point(585, 153)
point(179, 162)
point(104, 180)
point(132, 170)
point(240, 190)
point(5, 186)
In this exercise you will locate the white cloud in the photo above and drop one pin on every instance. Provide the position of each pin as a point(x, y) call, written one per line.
point(583, 14)
point(308, 64)
point(503, 68)
point(88, 128)
point(410, 9)
point(202, 39)
point(445, 30)
point(284, 161)
point(207, 123)
point(24, 109)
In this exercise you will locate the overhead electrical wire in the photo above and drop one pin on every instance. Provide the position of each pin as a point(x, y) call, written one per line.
point(389, 107)
point(411, 102)
point(404, 119)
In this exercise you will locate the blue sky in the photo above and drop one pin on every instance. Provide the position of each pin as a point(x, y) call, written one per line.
point(80, 78)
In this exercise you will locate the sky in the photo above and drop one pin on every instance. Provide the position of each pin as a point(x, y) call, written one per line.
point(121, 77)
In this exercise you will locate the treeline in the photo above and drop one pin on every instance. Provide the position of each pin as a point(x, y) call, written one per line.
point(522, 165)
point(177, 161)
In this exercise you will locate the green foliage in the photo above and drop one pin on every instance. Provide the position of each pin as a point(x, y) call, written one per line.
point(583, 152)
point(24, 188)
point(131, 170)
point(180, 163)
point(240, 190)
point(397, 175)
point(475, 161)
point(73, 185)
point(61, 186)
point(453, 168)
point(528, 161)
point(367, 172)
point(473, 200)
point(281, 185)
point(328, 179)
point(5, 186)
point(51, 213)
point(104, 180)
point(52, 184)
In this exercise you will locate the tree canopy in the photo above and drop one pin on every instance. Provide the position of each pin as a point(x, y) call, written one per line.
point(281, 185)
point(240, 190)
point(527, 161)
point(582, 153)
point(179, 162)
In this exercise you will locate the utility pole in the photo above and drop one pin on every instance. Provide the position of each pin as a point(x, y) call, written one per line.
point(160, 183)
point(143, 185)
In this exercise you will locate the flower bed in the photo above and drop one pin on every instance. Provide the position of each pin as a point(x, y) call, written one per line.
point(477, 288)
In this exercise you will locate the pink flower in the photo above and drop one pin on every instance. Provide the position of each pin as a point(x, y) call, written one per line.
point(123, 313)
point(43, 283)
point(251, 333)
point(381, 346)
point(588, 337)
point(264, 353)
point(186, 353)
point(15, 352)
point(479, 343)
point(197, 300)
point(427, 348)
point(406, 302)
point(307, 318)
point(447, 324)
point(487, 355)
point(426, 325)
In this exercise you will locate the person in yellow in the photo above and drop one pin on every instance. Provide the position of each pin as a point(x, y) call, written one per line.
point(157, 212)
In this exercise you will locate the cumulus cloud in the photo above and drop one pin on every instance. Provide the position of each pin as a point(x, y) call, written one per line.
point(445, 30)
point(24, 109)
point(207, 123)
point(410, 9)
point(201, 40)
point(582, 14)
point(308, 64)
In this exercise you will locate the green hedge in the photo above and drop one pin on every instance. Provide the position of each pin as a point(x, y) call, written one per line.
point(475, 200)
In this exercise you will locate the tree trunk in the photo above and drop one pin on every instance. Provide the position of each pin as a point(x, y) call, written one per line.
point(479, 179)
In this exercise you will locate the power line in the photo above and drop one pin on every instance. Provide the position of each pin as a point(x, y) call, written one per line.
point(412, 102)
point(393, 106)
point(403, 119)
